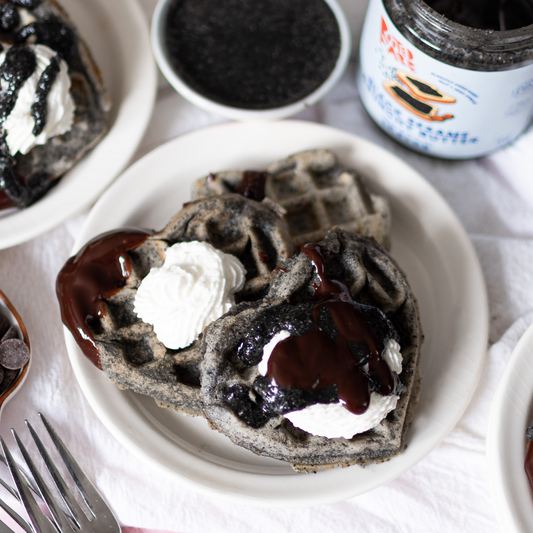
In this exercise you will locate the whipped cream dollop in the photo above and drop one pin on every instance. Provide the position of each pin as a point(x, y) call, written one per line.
point(20, 123)
point(333, 420)
point(194, 287)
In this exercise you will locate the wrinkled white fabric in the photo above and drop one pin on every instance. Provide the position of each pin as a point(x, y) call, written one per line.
point(446, 492)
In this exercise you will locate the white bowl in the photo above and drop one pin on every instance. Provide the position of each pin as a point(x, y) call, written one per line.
point(236, 113)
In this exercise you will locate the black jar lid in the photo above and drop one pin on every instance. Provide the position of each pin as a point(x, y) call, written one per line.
point(459, 45)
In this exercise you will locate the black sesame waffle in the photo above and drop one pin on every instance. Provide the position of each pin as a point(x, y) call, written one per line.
point(45, 22)
point(129, 350)
point(316, 193)
point(235, 397)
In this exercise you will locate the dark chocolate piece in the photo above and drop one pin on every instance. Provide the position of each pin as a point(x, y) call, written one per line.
point(8, 379)
point(11, 333)
point(14, 354)
point(4, 325)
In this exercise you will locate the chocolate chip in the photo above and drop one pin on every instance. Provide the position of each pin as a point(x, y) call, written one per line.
point(14, 354)
point(11, 333)
point(9, 377)
point(4, 325)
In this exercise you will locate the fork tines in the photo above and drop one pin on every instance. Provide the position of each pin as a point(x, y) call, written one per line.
point(67, 516)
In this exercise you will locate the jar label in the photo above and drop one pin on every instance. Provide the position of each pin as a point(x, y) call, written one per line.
point(434, 107)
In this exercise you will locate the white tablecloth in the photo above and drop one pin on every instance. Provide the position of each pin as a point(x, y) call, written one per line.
point(446, 492)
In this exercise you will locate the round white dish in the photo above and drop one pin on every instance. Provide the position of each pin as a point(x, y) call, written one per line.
point(427, 241)
point(511, 413)
point(236, 113)
point(117, 35)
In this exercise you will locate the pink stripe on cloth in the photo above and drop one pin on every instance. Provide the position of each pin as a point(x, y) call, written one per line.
point(16, 529)
point(137, 530)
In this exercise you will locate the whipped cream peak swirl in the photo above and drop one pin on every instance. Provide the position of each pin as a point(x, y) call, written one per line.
point(194, 287)
point(35, 99)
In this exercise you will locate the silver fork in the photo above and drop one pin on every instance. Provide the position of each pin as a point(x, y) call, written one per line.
point(70, 516)
point(15, 516)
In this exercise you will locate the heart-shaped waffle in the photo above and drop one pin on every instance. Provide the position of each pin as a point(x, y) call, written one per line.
point(238, 400)
point(129, 350)
point(26, 177)
point(316, 194)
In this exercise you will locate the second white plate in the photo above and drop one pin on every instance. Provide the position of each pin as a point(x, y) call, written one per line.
point(427, 241)
point(116, 32)
point(511, 413)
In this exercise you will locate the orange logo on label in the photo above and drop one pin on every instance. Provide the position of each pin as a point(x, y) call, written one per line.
point(403, 55)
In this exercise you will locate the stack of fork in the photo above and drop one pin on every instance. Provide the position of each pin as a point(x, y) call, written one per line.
point(66, 515)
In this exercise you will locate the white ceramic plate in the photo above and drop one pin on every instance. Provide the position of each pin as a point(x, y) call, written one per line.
point(428, 242)
point(117, 35)
point(511, 413)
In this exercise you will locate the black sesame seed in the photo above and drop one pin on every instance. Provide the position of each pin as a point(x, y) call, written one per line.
point(252, 54)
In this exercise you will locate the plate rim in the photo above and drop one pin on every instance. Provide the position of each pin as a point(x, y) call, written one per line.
point(24, 225)
point(511, 512)
point(482, 319)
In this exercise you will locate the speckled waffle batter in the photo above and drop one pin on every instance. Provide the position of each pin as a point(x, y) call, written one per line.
point(316, 193)
point(238, 405)
point(45, 22)
point(129, 350)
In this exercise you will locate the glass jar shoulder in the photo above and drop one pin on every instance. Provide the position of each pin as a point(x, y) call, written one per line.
point(458, 45)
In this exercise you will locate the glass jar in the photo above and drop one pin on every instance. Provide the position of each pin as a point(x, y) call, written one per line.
point(443, 88)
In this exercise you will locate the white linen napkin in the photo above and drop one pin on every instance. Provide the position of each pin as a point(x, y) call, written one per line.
point(446, 492)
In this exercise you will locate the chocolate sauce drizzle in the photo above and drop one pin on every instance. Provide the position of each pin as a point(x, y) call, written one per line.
point(98, 271)
point(52, 33)
point(314, 361)
point(39, 109)
point(18, 66)
point(252, 185)
point(5, 200)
